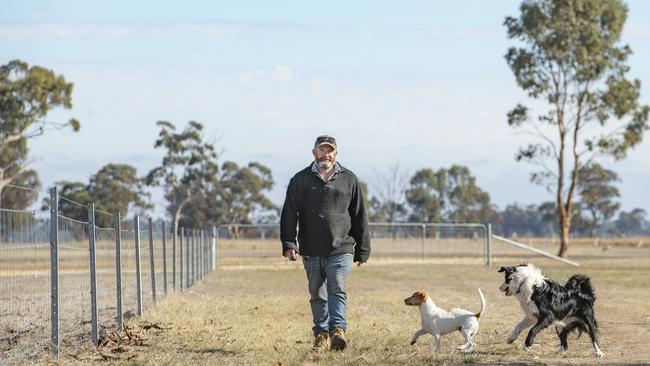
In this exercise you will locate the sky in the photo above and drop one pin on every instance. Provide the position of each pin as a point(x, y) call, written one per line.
point(418, 84)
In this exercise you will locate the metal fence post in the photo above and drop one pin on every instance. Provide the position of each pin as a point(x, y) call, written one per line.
point(151, 261)
point(424, 235)
point(54, 269)
point(198, 255)
point(138, 268)
point(118, 268)
point(192, 256)
point(488, 244)
point(93, 273)
point(182, 233)
point(203, 256)
point(187, 259)
point(164, 243)
point(213, 265)
point(174, 255)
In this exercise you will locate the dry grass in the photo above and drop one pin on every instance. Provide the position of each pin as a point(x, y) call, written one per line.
point(258, 313)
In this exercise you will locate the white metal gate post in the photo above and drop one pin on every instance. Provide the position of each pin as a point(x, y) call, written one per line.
point(424, 235)
point(488, 245)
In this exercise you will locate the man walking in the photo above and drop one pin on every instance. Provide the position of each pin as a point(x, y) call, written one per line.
point(325, 201)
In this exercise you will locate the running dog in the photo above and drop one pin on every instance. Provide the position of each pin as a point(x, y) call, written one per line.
point(545, 301)
point(439, 322)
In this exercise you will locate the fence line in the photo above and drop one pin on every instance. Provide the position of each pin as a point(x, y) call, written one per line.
point(96, 277)
point(388, 239)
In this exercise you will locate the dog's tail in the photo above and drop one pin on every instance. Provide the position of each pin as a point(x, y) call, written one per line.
point(478, 315)
point(580, 286)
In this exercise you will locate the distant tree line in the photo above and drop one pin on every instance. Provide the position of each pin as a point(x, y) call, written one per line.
point(452, 195)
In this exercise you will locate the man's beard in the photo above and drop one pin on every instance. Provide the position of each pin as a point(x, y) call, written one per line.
point(325, 164)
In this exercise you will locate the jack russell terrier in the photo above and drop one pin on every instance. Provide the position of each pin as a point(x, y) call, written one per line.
point(439, 322)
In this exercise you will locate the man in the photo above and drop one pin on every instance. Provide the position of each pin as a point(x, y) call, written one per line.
point(326, 202)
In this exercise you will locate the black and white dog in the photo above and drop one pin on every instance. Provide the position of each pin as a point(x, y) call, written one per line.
point(545, 301)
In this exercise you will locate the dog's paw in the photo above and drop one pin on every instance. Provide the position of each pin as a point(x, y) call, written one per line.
point(511, 339)
point(527, 348)
point(600, 354)
point(466, 348)
point(562, 350)
point(412, 342)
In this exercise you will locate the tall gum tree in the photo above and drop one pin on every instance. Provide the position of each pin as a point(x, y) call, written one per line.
point(568, 55)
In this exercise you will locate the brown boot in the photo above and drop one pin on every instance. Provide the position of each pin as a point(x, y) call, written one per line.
point(321, 342)
point(338, 340)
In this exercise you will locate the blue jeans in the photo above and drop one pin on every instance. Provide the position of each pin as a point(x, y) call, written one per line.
point(328, 283)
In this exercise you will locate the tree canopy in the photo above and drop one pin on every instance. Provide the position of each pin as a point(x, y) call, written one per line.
point(27, 94)
point(114, 188)
point(449, 194)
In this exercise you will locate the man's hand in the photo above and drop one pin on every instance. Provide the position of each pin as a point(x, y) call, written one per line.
point(359, 263)
point(291, 254)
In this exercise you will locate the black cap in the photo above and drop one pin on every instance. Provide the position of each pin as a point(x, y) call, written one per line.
point(325, 140)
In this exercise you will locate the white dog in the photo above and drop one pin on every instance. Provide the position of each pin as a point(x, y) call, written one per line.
point(439, 322)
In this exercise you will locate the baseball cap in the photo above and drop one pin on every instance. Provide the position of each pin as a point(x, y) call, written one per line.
point(325, 140)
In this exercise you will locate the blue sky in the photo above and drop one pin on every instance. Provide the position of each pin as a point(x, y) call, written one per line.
point(419, 83)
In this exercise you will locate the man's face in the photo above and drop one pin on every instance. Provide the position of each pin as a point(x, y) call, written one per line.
point(325, 156)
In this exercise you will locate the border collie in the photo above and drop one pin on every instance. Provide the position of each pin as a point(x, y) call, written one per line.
point(545, 301)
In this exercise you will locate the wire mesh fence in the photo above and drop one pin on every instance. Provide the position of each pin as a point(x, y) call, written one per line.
point(24, 282)
point(65, 282)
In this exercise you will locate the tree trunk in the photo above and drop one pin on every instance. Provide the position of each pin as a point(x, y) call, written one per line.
point(177, 213)
point(564, 238)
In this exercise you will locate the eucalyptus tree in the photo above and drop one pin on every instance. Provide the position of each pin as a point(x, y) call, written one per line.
point(188, 167)
point(568, 55)
point(27, 94)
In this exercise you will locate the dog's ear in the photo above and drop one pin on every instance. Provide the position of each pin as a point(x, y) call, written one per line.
point(509, 269)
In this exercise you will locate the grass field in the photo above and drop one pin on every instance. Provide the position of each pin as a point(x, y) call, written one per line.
point(256, 311)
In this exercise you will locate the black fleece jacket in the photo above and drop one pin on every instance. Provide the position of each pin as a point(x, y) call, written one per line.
point(331, 216)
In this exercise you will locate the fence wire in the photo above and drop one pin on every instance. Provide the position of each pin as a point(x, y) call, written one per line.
point(24, 283)
point(74, 284)
point(149, 248)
